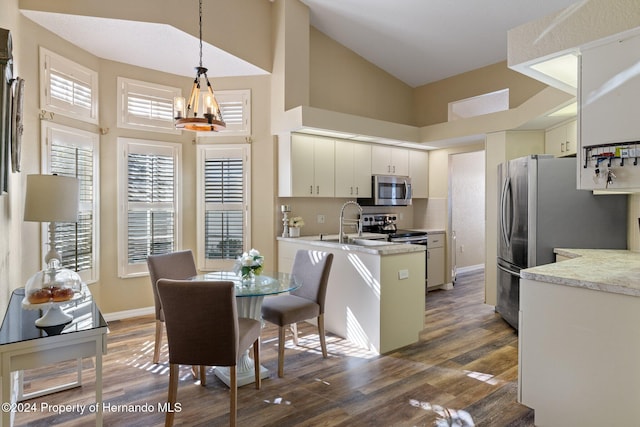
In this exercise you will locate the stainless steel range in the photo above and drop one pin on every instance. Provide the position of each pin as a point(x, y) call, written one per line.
point(385, 223)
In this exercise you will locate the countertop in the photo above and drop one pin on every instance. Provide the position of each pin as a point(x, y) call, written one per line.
point(607, 270)
point(380, 248)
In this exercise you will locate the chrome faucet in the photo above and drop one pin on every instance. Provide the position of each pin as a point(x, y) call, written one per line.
point(358, 222)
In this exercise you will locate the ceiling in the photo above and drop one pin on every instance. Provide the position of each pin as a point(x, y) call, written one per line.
point(417, 41)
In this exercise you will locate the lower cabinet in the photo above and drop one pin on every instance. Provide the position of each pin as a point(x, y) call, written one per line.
point(435, 260)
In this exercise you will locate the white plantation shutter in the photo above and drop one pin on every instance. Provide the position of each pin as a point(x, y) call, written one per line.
point(235, 107)
point(68, 88)
point(223, 230)
point(150, 195)
point(72, 152)
point(146, 106)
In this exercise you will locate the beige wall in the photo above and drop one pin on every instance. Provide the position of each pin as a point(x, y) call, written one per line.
point(432, 100)
point(345, 82)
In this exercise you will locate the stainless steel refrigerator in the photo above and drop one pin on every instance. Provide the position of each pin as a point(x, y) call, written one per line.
point(539, 209)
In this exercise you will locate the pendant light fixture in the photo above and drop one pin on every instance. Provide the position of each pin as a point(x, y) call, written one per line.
point(188, 119)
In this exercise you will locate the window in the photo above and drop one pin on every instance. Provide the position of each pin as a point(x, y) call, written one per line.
point(68, 88)
point(235, 106)
point(73, 152)
point(148, 219)
point(223, 208)
point(146, 106)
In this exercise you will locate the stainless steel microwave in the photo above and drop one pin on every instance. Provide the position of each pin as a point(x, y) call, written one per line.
point(388, 190)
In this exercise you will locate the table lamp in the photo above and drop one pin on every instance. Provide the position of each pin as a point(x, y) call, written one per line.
point(52, 198)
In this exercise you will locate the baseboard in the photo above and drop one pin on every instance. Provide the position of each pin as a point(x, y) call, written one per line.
point(469, 269)
point(126, 314)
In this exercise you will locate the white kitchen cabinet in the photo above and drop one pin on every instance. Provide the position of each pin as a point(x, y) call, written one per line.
point(435, 260)
point(562, 140)
point(380, 318)
point(387, 160)
point(306, 166)
point(578, 352)
point(608, 120)
point(419, 173)
point(352, 169)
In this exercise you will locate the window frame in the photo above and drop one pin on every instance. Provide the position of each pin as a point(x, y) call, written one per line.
point(142, 146)
point(80, 138)
point(205, 152)
point(151, 90)
point(49, 61)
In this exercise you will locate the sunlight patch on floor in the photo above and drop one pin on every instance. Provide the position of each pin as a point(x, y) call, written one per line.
point(485, 378)
point(447, 417)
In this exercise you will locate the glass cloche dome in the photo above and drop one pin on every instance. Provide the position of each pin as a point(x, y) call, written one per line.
point(53, 284)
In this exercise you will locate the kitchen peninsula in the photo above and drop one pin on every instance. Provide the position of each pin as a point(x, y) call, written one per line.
point(578, 342)
point(376, 291)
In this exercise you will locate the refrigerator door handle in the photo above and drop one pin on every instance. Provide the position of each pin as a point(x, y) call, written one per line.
point(508, 270)
point(506, 234)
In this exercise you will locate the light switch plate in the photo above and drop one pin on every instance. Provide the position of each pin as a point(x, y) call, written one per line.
point(403, 274)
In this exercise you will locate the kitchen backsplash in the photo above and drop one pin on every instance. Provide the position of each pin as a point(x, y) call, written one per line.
point(310, 208)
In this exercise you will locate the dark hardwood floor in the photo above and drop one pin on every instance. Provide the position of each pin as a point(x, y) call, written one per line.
point(462, 372)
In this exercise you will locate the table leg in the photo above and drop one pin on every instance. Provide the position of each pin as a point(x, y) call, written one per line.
point(7, 415)
point(250, 307)
point(99, 351)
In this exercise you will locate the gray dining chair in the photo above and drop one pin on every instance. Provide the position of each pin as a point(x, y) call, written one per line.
point(203, 329)
point(312, 268)
point(174, 265)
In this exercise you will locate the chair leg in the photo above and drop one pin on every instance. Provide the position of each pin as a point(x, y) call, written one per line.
point(173, 393)
point(281, 351)
point(158, 343)
point(294, 332)
point(203, 376)
point(233, 386)
point(256, 363)
point(323, 342)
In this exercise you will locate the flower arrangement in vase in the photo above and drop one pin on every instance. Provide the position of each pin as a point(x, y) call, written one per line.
point(295, 224)
point(249, 265)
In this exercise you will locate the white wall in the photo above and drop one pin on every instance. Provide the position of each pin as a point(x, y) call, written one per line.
point(467, 207)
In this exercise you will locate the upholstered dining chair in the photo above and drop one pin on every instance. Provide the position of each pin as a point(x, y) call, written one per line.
point(306, 302)
point(203, 329)
point(175, 265)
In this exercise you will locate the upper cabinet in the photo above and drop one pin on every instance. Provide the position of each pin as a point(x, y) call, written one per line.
point(419, 173)
point(562, 140)
point(609, 128)
point(387, 160)
point(352, 169)
point(306, 166)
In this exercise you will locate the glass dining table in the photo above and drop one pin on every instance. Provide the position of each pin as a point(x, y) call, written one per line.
point(249, 297)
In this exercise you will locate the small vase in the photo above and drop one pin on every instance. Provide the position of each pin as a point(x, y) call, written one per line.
point(249, 278)
point(294, 232)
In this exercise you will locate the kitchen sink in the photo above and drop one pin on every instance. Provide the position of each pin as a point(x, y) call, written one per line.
point(360, 242)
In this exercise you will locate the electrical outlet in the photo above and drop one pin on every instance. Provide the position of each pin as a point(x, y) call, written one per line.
point(461, 248)
point(403, 274)
point(320, 219)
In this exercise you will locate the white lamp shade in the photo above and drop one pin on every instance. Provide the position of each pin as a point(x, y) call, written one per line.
point(52, 198)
